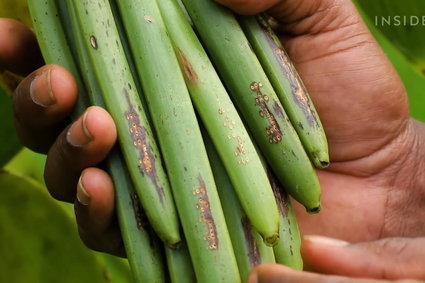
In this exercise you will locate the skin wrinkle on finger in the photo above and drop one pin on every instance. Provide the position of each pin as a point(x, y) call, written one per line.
point(401, 219)
point(335, 96)
point(310, 17)
point(387, 210)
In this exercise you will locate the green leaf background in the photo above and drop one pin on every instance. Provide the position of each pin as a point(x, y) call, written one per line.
point(38, 236)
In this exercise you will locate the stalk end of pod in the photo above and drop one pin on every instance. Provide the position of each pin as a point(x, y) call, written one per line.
point(175, 245)
point(320, 159)
point(314, 210)
point(271, 240)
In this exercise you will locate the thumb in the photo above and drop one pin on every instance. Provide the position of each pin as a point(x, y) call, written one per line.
point(390, 258)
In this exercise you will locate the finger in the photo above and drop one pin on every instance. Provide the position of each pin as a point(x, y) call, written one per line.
point(94, 209)
point(249, 7)
point(42, 102)
point(83, 144)
point(19, 51)
point(391, 258)
point(273, 273)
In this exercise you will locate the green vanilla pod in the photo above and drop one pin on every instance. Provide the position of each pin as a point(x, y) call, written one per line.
point(256, 99)
point(288, 250)
point(180, 268)
point(101, 43)
point(288, 86)
point(181, 142)
point(222, 121)
point(249, 247)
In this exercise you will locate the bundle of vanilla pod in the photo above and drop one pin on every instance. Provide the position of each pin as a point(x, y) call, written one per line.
point(215, 129)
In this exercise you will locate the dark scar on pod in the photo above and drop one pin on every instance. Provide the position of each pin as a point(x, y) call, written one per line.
point(146, 157)
point(273, 131)
point(253, 252)
point(206, 216)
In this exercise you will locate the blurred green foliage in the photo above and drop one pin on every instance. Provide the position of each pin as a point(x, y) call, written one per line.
point(9, 141)
point(39, 242)
point(15, 9)
point(394, 25)
point(402, 23)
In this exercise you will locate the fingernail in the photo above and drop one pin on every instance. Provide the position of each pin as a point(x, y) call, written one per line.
point(41, 89)
point(253, 277)
point(78, 135)
point(321, 240)
point(82, 196)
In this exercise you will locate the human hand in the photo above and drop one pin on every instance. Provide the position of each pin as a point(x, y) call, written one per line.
point(398, 259)
point(372, 189)
point(42, 104)
point(374, 186)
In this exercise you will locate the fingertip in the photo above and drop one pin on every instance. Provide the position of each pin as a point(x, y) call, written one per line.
point(94, 130)
point(53, 88)
point(253, 277)
point(63, 88)
point(273, 273)
point(95, 212)
point(100, 125)
point(95, 200)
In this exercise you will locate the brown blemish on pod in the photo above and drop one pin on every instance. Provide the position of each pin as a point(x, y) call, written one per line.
point(282, 199)
point(93, 42)
point(141, 220)
point(188, 70)
point(298, 89)
point(146, 157)
point(278, 110)
point(273, 131)
point(251, 244)
point(148, 19)
point(280, 194)
point(240, 149)
point(206, 216)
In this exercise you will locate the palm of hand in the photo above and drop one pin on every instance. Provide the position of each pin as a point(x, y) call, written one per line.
point(364, 110)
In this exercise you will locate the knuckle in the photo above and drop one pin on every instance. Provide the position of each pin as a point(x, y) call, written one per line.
point(109, 242)
point(58, 194)
point(391, 247)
